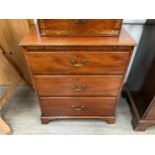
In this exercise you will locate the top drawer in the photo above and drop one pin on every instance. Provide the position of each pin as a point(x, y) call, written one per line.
point(79, 27)
point(78, 62)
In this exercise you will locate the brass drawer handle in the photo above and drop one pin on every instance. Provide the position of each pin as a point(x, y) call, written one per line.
point(78, 88)
point(76, 64)
point(81, 21)
point(78, 107)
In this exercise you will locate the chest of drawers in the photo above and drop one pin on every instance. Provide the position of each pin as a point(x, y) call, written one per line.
point(78, 77)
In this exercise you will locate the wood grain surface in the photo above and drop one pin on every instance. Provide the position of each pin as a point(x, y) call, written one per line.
point(34, 39)
point(11, 32)
point(68, 106)
point(79, 27)
point(70, 85)
point(61, 62)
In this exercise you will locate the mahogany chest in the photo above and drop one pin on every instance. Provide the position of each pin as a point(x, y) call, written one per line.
point(78, 77)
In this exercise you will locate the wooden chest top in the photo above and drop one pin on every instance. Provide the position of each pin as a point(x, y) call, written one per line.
point(34, 39)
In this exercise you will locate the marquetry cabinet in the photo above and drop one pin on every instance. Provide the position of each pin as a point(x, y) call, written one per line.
point(78, 77)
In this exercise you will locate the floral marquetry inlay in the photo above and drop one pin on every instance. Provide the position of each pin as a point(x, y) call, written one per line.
point(76, 33)
point(102, 29)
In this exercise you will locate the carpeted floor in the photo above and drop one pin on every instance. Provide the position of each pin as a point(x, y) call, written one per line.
point(23, 114)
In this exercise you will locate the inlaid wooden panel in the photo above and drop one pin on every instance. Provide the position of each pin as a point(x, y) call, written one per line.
point(79, 27)
point(68, 106)
point(78, 62)
point(78, 85)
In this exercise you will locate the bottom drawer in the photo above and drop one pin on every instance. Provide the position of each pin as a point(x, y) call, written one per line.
point(76, 106)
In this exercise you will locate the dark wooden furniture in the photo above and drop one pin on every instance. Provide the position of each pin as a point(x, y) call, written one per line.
point(79, 27)
point(78, 77)
point(140, 88)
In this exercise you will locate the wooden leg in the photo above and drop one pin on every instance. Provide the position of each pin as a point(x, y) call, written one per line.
point(111, 120)
point(44, 120)
point(140, 125)
point(4, 127)
point(9, 92)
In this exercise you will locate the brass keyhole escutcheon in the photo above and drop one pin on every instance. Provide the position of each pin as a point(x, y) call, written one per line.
point(78, 107)
point(75, 62)
point(78, 87)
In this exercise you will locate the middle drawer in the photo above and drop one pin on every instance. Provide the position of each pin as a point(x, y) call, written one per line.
point(83, 85)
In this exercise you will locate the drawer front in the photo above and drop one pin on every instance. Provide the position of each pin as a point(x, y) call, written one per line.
point(73, 85)
point(76, 106)
point(78, 62)
point(79, 27)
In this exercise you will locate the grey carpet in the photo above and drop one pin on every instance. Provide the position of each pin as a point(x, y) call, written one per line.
point(23, 114)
